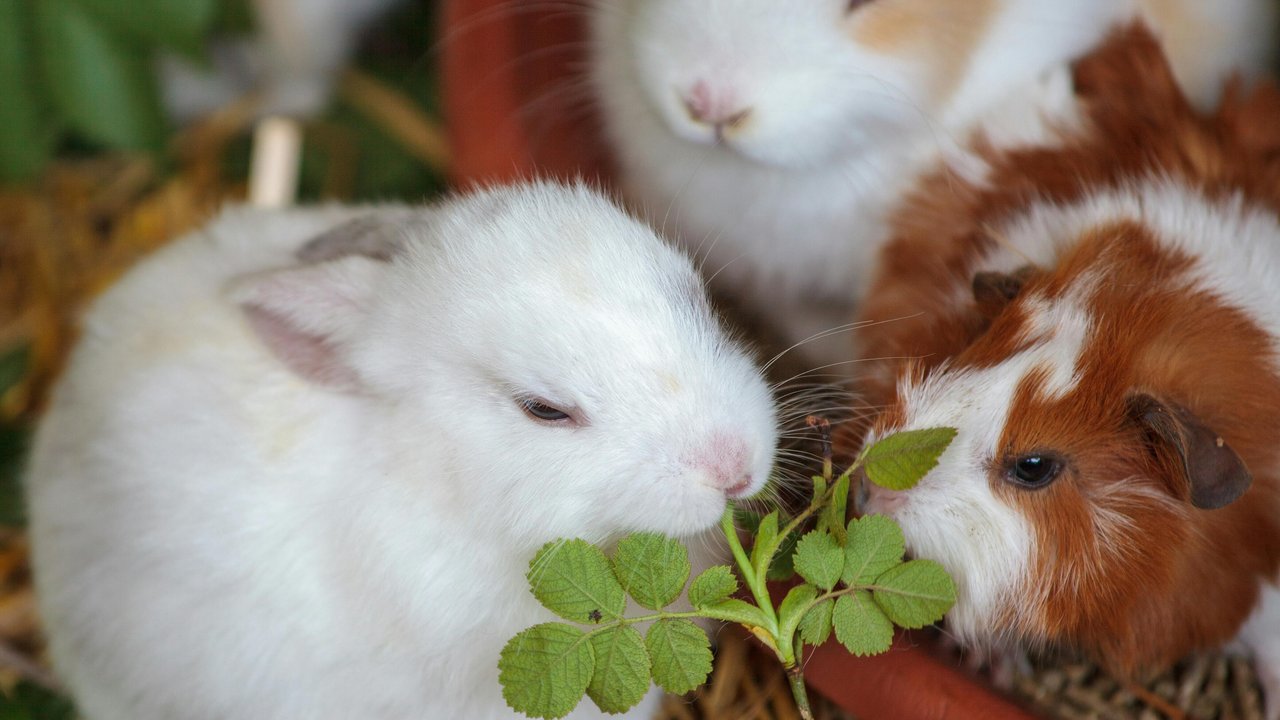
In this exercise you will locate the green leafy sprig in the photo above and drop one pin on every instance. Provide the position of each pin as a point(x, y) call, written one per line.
point(855, 584)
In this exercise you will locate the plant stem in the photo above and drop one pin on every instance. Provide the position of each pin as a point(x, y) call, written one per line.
point(757, 584)
point(795, 676)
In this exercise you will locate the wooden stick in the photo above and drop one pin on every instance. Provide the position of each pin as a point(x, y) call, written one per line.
point(273, 169)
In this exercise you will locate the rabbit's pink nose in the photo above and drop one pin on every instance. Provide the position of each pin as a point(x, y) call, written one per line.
point(717, 109)
point(725, 464)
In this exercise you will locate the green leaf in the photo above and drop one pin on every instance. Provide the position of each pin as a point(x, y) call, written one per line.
point(177, 24)
point(26, 135)
point(28, 701)
point(545, 670)
point(815, 626)
point(860, 626)
point(621, 678)
point(746, 519)
point(915, 593)
point(681, 655)
point(98, 79)
point(572, 579)
point(834, 514)
point(765, 544)
point(652, 568)
point(819, 559)
point(783, 565)
point(875, 545)
point(819, 488)
point(901, 460)
point(13, 454)
point(13, 363)
point(793, 609)
point(735, 610)
point(713, 585)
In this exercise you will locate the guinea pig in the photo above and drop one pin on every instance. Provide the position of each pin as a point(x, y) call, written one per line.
point(772, 137)
point(300, 460)
point(1099, 317)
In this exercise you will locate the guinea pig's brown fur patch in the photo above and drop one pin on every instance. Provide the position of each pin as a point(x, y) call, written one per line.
point(1125, 567)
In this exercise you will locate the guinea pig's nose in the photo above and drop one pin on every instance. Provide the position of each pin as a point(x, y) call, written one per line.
point(715, 108)
point(879, 500)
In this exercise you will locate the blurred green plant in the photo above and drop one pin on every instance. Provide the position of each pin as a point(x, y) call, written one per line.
point(86, 69)
point(28, 701)
point(13, 443)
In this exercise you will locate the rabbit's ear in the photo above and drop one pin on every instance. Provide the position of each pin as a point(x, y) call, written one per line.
point(306, 315)
point(380, 237)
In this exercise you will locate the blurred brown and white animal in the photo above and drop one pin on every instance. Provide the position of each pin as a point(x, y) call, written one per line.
point(773, 137)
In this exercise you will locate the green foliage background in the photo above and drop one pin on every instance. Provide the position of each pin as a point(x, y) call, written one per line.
point(78, 77)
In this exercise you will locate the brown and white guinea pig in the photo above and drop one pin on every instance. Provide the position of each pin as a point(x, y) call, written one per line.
point(1099, 318)
point(772, 136)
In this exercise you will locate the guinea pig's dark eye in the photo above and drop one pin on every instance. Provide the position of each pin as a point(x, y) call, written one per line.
point(855, 4)
point(1035, 471)
point(539, 410)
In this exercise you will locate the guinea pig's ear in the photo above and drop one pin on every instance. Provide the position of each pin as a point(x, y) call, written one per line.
point(1214, 472)
point(993, 290)
point(303, 314)
point(377, 237)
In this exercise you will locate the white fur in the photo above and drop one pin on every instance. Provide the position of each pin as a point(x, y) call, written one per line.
point(1261, 635)
point(215, 537)
point(789, 212)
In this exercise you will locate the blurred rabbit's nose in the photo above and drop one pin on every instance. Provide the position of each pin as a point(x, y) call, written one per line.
point(718, 109)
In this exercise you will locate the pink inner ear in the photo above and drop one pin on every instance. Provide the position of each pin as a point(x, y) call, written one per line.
point(309, 356)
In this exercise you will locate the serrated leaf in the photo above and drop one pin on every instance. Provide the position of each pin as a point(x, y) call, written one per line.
point(915, 593)
point(545, 670)
point(819, 559)
point(103, 84)
point(177, 24)
point(765, 543)
point(713, 585)
point(572, 579)
point(783, 565)
point(621, 676)
point(815, 626)
point(26, 135)
point(819, 488)
point(833, 515)
point(680, 654)
point(860, 625)
point(901, 460)
point(652, 568)
point(875, 545)
point(747, 520)
point(793, 609)
point(735, 610)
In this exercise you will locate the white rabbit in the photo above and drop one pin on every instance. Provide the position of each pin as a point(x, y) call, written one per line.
point(774, 137)
point(288, 479)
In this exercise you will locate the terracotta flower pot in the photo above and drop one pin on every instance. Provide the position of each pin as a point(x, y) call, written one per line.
point(516, 106)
